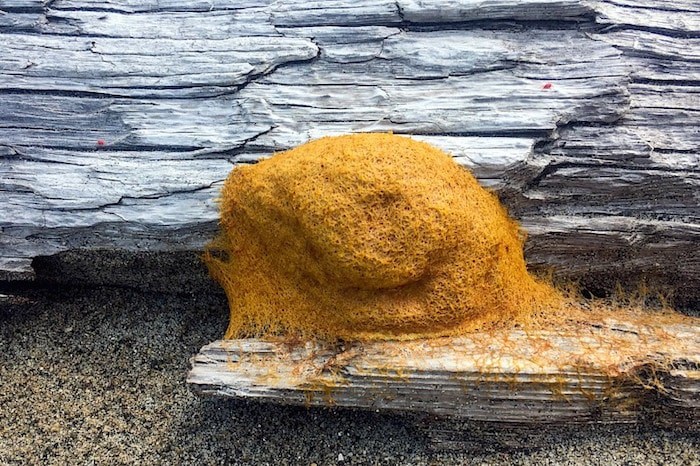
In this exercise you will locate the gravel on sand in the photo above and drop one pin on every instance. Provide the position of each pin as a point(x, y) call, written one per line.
point(97, 376)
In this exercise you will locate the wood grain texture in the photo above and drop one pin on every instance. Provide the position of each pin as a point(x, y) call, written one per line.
point(120, 118)
point(511, 377)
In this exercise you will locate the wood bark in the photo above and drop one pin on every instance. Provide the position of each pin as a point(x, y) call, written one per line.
point(120, 119)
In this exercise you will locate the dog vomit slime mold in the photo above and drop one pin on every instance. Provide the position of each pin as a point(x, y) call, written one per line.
point(369, 236)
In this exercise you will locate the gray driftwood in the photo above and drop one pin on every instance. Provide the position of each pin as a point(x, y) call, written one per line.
point(120, 119)
point(513, 378)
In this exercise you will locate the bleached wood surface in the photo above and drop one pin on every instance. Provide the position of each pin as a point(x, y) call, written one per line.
point(510, 377)
point(601, 168)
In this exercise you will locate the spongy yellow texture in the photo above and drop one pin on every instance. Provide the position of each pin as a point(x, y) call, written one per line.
point(368, 236)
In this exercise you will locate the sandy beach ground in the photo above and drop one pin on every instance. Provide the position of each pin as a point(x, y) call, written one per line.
point(97, 376)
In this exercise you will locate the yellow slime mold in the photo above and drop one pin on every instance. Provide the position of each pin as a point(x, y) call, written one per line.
point(368, 236)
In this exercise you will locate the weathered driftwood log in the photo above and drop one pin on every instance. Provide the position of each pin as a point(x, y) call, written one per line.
point(510, 377)
point(119, 119)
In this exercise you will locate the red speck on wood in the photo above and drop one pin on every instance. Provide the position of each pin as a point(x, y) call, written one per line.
point(100, 142)
point(547, 86)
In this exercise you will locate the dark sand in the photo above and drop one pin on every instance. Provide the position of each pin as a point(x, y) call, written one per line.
point(97, 376)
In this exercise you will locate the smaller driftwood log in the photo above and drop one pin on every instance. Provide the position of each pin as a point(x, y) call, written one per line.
point(510, 377)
